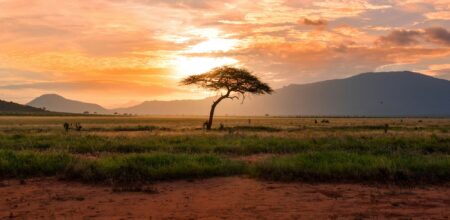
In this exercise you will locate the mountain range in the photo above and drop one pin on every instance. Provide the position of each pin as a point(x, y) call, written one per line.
point(367, 94)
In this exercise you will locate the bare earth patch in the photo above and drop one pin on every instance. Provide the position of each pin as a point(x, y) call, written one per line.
point(221, 198)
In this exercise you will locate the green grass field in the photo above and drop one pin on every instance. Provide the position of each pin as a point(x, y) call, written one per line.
point(143, 149)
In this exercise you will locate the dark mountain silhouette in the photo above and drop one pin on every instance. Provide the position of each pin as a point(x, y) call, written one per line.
point(176, 107)
point(14, 108)
point(368, 94)
point(58, 103)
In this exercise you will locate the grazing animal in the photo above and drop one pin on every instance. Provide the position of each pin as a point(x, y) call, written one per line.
point(78, 126)
point(66, 126)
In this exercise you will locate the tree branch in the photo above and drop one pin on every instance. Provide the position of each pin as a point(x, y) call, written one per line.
point(234, 97)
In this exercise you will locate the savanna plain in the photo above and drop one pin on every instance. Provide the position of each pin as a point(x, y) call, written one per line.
point(244, 168)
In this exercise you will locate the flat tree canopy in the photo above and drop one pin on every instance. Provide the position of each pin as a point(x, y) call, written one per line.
point(235, 82)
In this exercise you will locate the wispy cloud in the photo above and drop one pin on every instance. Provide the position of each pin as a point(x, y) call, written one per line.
point(437, 35)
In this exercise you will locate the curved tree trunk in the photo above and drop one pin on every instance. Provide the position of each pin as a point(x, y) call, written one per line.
point(213, 107)
point(211, 115)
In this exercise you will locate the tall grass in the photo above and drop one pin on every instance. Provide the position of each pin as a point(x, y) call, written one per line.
point(121, 168)
point(345, 166)
point(228, 144)
point(150, 167)
point(14, 164)
point(316, 167)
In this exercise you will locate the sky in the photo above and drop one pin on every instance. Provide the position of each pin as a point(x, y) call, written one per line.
point(120, 52)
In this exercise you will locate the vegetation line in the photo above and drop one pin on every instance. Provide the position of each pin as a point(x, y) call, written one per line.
point(228, 144)
point(317, 167)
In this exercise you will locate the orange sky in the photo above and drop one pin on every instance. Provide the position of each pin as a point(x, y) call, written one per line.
point(114, 52)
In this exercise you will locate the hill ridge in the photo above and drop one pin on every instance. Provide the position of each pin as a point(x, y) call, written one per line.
point(8, 107)
point(58, 103)
point(397, 93)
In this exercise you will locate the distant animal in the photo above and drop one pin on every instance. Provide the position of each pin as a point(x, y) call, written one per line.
point(325, 121)
point(66, 126)
point(386, 127)
point(78, 126)
point(205, 125)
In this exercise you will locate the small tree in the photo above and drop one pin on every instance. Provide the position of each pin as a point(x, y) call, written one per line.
point(232, 82)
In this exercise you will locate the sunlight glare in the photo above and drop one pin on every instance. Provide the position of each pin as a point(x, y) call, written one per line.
point(187, 63)
point(185, 66)
point(214, 45)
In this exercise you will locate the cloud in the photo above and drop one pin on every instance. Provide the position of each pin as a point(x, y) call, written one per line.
point(401, 38)
point(25, 27)
point(437, 35)
point(184, 4)
point(9, 75)
point(318, 22)
point(106, 86)
point(438, 15)
point(119, 44)
point(438, 70)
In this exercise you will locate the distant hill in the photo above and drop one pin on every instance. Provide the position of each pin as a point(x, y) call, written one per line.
point(176, 107)
point(368, 94)
point(58, 103)
point(7, 108)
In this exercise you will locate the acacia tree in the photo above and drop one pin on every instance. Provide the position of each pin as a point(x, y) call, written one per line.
point(231, 82)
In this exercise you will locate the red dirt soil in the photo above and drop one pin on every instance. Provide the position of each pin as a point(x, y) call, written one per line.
point(221, 198)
